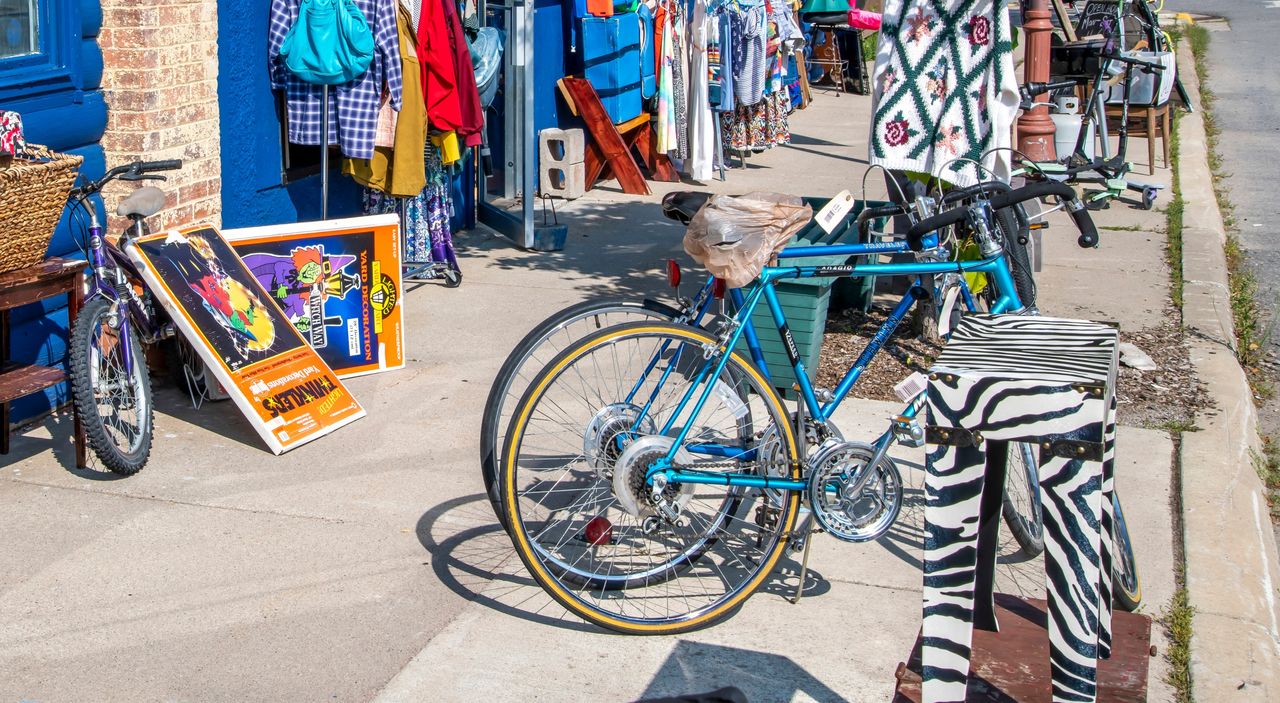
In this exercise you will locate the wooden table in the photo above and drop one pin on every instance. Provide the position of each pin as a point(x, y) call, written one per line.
point(49, 279)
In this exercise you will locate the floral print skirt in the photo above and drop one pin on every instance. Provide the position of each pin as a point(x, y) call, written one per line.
point(751, 128)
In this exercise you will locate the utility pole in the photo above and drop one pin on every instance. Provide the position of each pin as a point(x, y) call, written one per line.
point(1035, 127)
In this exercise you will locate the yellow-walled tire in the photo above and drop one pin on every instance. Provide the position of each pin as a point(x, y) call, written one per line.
point(573, 480)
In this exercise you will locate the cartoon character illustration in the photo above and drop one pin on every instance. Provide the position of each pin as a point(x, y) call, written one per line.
point(235, 307)
point(302, 281)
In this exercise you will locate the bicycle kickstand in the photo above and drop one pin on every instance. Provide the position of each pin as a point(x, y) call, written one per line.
point(804, 570)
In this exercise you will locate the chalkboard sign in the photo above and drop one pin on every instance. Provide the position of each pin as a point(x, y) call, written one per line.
point(1097, 18)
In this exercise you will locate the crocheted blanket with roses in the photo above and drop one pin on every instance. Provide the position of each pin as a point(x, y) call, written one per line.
point(945, 91)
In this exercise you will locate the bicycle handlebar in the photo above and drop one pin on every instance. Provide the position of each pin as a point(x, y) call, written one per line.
point(1088, 233)
point(130, 171)
point(1130, 60)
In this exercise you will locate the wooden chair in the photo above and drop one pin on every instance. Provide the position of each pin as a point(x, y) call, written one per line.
point(609, 146)
point(1150, 122)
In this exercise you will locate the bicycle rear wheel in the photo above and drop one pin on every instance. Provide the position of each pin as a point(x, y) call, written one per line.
point(540, 346)
point(587, 524)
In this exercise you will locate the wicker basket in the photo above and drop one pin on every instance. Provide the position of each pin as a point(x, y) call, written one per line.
point(33, 191)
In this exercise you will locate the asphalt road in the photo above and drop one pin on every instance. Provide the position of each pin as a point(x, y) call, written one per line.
point(1244, 76)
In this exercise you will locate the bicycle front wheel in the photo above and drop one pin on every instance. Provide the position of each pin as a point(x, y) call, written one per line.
point(1126, 584)
point(540, 346)
point(1021, 507)
point(590, 527)
point(112, 396)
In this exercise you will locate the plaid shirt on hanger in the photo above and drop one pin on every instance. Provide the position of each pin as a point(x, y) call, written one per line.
point(353, 107)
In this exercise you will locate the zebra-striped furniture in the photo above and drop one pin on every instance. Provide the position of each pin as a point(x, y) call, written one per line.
point(1010, 378)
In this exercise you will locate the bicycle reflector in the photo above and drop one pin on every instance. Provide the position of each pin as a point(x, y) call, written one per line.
point(718, 289)
point(673, 273)
point(599, 531)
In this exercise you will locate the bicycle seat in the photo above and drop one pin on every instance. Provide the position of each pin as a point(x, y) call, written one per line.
point(143, 202)
point(682, 205)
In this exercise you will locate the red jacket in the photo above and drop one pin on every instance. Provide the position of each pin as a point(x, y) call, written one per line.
point(448, 79)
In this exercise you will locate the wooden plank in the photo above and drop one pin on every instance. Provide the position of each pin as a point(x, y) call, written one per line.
point(605, 133)
point(35, 283)
point(1012, 666)
point(18, 380)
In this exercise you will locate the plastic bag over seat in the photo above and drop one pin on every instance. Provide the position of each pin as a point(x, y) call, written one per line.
point(735, 237)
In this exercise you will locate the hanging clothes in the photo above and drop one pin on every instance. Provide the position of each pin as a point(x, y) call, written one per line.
point(424, 217)
point(353, 107)
point(666, 136)
point(750, 53)
point(680, 79)
point(400, 169)
point(754, 128)
point(727, 99)
point(945, 89)
point(468, 93)
point(701, 121)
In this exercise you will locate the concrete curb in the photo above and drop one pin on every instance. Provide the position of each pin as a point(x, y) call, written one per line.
point(1231, 563)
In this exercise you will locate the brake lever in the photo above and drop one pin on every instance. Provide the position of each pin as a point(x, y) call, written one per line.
point(143, 177)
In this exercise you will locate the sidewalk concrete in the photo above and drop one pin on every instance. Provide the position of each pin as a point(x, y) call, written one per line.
point(368, 565)
point(1232, 570)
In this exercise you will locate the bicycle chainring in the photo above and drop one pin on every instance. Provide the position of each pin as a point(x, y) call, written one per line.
point(848, 512)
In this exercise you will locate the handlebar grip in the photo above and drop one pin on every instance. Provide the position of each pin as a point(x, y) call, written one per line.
point(167, 165)
point(1088, 238)
point(1088, 232)
point(915, 235)
point(868, 214)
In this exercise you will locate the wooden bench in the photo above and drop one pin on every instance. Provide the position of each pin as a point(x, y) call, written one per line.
point(48, 279)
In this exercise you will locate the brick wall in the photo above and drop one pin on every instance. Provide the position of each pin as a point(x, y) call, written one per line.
point(161, 87)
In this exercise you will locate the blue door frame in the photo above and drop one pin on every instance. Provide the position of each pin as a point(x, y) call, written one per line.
point(57, 91)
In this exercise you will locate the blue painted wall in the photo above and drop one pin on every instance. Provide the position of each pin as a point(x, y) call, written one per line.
point(57, 93)
point(252, 192)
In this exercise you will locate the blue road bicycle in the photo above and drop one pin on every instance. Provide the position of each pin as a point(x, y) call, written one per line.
point(553, 335)
point(652, 476)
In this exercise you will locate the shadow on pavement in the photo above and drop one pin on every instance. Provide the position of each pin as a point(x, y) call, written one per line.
point(696, 666)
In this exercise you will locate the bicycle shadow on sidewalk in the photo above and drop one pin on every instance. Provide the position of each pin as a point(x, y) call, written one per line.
point(472, 556)
point(697, 666)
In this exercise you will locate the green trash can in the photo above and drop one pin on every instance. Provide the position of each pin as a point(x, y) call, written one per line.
point(805, 301)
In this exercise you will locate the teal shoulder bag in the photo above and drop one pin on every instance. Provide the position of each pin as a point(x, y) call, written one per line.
point(329, 44)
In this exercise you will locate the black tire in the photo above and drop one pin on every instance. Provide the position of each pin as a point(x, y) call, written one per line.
point(1021, 506)
point(539, 346)
point(452, 278)
point(637, 578)
point(1126, 582)
point(1015, 230)
point(102, 393)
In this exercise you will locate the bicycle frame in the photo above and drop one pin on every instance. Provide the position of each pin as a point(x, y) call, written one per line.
point(995, 267)
point(103, 257)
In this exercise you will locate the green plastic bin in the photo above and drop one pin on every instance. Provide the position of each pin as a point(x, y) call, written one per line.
point(805, 300)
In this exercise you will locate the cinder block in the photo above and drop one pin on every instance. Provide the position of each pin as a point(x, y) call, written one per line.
point(561, 180)
point(561, 146)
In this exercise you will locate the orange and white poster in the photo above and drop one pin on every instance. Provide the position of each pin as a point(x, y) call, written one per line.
point(288, 393)
point(338, 282)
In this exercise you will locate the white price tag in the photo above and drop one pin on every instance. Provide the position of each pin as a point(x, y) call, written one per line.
point(911, 386)
point(833, 212)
